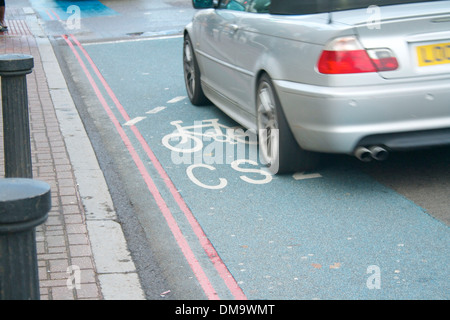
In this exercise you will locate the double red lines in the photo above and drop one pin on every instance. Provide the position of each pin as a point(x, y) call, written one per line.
point(219, 265)
point(52, 14)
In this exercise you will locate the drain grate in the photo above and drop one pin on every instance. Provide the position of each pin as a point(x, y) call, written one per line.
point(135, 34)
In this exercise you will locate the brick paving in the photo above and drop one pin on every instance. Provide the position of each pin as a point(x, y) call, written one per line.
point(62, 241)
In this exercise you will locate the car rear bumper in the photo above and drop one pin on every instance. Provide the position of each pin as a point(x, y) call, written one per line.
point(339, 119)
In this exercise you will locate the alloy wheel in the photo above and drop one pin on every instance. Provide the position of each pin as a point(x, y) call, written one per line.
point(189, 69)
point(267, 124)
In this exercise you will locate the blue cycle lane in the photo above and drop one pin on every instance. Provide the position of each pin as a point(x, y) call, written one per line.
point(332, 234)
point(64, 9)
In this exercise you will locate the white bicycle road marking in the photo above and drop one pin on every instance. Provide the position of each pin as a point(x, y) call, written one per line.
point(132, 122)
point(190, 139)
point(176, 99)
point(303, 175)
point(215, 130)
point(156, 110)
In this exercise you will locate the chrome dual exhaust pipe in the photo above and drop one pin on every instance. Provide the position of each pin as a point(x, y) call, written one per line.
point(379, 153)
point(363, 154)
point(375, 152)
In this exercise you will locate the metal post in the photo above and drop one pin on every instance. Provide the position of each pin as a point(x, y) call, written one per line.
point(16, 129)
point(24, 204)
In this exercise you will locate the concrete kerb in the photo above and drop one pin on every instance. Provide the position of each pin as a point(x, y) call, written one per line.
point(115, 268)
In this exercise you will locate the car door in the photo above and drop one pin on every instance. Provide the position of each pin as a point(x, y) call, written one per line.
point(250, 41)
point(216, 50)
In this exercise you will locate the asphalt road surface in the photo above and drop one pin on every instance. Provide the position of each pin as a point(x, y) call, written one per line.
point(204, 219)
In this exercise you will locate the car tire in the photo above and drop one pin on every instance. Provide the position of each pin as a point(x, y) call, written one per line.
point(192, 75)
point(278, 148)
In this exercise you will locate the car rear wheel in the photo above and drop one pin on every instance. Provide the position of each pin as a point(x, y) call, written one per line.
point(192, 75)
point(277, 146)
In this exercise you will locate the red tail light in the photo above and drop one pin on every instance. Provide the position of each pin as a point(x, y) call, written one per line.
point(346, 55)
point(338, 62)
point(383, 59)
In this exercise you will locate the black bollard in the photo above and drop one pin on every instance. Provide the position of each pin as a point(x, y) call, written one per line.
point(24, 204)
point(16, 128)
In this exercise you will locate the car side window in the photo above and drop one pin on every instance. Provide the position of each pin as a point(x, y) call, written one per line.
point(236, 5)
point(259, 6)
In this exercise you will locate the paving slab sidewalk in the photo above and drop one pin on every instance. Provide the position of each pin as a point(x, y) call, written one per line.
point(82, 252)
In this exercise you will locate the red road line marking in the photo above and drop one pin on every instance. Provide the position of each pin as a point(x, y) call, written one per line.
point(50, 15)
point(56, 15)
point(204, 241)
point(181, 240)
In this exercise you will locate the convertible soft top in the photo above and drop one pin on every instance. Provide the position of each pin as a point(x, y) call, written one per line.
point(321, 6)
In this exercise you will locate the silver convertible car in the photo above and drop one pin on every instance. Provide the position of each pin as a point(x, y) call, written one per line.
point(359, 77)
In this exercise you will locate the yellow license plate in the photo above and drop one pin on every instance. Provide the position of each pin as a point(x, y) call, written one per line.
point(433, 54)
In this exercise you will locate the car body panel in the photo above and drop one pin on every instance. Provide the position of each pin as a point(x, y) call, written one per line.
point(336, 119)
point(327, 113)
